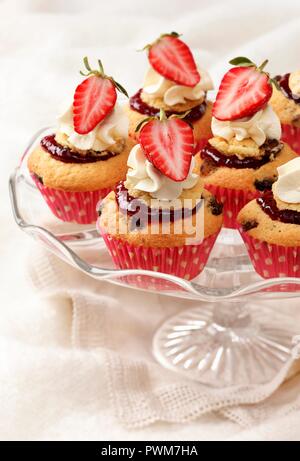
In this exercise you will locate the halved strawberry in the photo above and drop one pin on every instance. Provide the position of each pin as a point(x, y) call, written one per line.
point(94, 99)
point(172, 59)
point(169, 146)
point(242, 93)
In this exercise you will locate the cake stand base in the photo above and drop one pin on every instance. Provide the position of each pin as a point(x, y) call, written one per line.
point(226, 345)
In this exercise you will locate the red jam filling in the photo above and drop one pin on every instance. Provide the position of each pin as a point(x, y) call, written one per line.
point(268, 204)
point(66, 155)
point(285, 88)
point(137, 104)
point(271, 147)
point(131, 206)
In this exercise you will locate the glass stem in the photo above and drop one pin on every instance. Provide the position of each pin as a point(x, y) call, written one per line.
point(232, 315)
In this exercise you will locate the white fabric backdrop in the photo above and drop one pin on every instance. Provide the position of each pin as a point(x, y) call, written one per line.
point(41, 47)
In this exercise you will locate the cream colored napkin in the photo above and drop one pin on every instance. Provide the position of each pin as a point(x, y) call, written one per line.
point(63, 386)
point(119, 323)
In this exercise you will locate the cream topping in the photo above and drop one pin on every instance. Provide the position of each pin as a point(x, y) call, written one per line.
point(159, 87)
point(106, 134)
point(294, 82)
point(261, 126)
point(287, 187)
point(143, 176)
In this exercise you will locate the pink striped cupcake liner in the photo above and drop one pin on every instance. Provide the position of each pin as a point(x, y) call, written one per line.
point(234, 200)
point(291, 135)
point(273, 261)
point(186, 261)
point(79, 207)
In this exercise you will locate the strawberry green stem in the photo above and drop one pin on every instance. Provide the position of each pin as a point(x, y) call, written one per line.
point(101, 66)
point(90, 71)
point(263, 65)
point(162, 115)
point(87, 64)
point(101, 73)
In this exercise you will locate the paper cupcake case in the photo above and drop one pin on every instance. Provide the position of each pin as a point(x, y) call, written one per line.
point(291, 135)
point(273, 261)
point(186, 261)
point(233, 200)
point(79, 207)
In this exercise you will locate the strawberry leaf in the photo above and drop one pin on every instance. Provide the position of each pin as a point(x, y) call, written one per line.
point(142, 122)
point(241, 61)
point(120, 88)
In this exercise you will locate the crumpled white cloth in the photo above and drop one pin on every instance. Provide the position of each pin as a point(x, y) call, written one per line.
point(116, 325)
point(49, 389)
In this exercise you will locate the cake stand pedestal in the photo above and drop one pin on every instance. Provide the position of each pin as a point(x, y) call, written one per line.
point(224, 345)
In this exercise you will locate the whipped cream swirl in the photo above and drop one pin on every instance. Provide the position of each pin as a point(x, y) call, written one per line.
point(287, 187)
point(294, 82)
point(107, 133)
point(261, 126)
point(143, 176)
point(157, 86)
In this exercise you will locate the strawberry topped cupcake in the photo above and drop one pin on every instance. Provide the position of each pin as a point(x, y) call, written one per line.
point(270, 226)
point(173, 83)
point(161, 218)
point(286, 103)
point(241, 159)
point(82, 161)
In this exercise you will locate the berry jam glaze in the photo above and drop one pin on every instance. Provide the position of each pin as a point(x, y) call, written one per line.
point(66, 155)
point(285, 87)
point(132, 206)
point(268, 204)
point(271, 148)
point(137, 104)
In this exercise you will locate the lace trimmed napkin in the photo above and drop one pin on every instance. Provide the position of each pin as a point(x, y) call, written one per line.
point(117, 324)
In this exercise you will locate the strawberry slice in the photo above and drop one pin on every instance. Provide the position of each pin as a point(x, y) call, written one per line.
point(94, 98)
point(169, 146)
point(172, 59)
point(242, 93)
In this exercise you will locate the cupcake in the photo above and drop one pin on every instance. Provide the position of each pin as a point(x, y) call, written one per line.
point(270, 225)
point(81, 162)
point(240, 161)
point(173, 83)
point(161, 218)
point(286, 103)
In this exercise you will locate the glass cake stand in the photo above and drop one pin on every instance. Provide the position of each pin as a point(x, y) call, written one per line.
point(230, 339)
